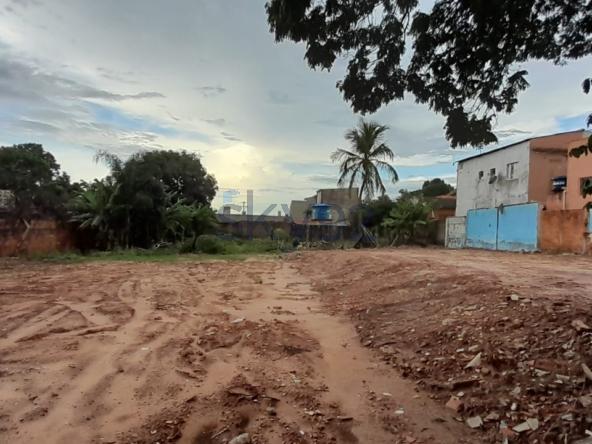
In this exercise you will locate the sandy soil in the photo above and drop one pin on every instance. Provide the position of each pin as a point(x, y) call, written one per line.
point(316, 347)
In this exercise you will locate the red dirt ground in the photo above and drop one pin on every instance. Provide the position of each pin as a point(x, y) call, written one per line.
point(315, 347)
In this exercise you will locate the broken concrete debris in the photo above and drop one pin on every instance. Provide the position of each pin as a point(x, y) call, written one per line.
point(493, 416)
point(454, 404)
point(475, 362)
point(585, 400)
point(580, 326)
point(245, 438)
point(587, 371)
point(474, 422)
point(529, 424)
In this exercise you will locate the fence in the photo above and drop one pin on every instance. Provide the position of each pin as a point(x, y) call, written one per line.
point(523, 227)
point(41, 236)
point(565, 231)
point(507, 228)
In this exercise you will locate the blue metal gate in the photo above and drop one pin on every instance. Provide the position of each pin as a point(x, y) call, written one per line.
point(518, 227)
point(482, 228)
point(509, 228)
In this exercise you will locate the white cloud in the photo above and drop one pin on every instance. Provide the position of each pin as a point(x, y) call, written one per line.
point(424, 159)
point(210, 79)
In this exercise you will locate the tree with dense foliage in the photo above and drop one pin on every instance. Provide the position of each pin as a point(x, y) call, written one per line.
point(366, 158)
point(464, 59)
point(152, 197)
point(375, 211)
point(34, 177)
point(435, 187)
point(151, 181)
point(179, 172)
point(406, 219)
point(93, 211)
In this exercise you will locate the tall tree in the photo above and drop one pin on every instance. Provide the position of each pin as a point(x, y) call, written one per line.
point(153, 180)
point(367, 157)
point(151, 197)
point(34, 177)
point(435, 187)
point(465, 55)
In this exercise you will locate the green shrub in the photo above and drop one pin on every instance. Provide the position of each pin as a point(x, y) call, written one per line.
point(209, 244)
point(186, 247)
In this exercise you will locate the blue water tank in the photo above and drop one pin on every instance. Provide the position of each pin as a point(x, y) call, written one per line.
point(321, 212)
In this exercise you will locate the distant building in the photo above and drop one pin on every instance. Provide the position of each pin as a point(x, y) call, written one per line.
point(443, 207)
point(327, 206)
point(538, 169)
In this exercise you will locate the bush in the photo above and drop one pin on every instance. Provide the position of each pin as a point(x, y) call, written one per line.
point(253, 246)
point(209, 244)
point(279, 234)
point(186, 247)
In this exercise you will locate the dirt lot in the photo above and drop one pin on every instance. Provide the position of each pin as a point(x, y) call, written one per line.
point(316, 347)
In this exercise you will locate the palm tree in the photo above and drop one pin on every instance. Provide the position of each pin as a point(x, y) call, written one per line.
point(366, 158)
point(93, 209)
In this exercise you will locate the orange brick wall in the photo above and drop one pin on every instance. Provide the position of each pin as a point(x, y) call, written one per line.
point(44, 236)
point(563, 231)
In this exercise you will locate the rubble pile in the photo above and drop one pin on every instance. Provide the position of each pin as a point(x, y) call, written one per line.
point(505, 360)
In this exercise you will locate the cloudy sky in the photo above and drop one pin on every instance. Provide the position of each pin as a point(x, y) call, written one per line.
point(207, 76)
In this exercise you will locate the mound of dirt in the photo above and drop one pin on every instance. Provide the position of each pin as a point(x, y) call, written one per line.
point(505, 352)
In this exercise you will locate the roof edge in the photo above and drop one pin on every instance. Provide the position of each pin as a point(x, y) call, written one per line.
point(582, 130)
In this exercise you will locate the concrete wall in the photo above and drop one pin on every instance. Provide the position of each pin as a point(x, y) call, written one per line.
point(577, 168)
point(259, 229)
point(298, 210)
point(318, 232)
point(482, 228)
point(455, 232)
point(518, 227)
point(43, 236)
point(545, 164)
point(474, 192)
point(342, 200)
point(440, 232)
point(564, 231)
point(561, 140)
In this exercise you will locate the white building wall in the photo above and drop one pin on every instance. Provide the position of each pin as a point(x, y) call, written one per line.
point(474, 192)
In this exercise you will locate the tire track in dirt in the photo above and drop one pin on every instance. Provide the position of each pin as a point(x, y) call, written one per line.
point(352, 375)
point(197, 353)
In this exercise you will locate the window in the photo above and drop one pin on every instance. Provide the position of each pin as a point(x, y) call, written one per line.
point(586, 185)
point(492, 176)
point(511, 170)
point(480, 175)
